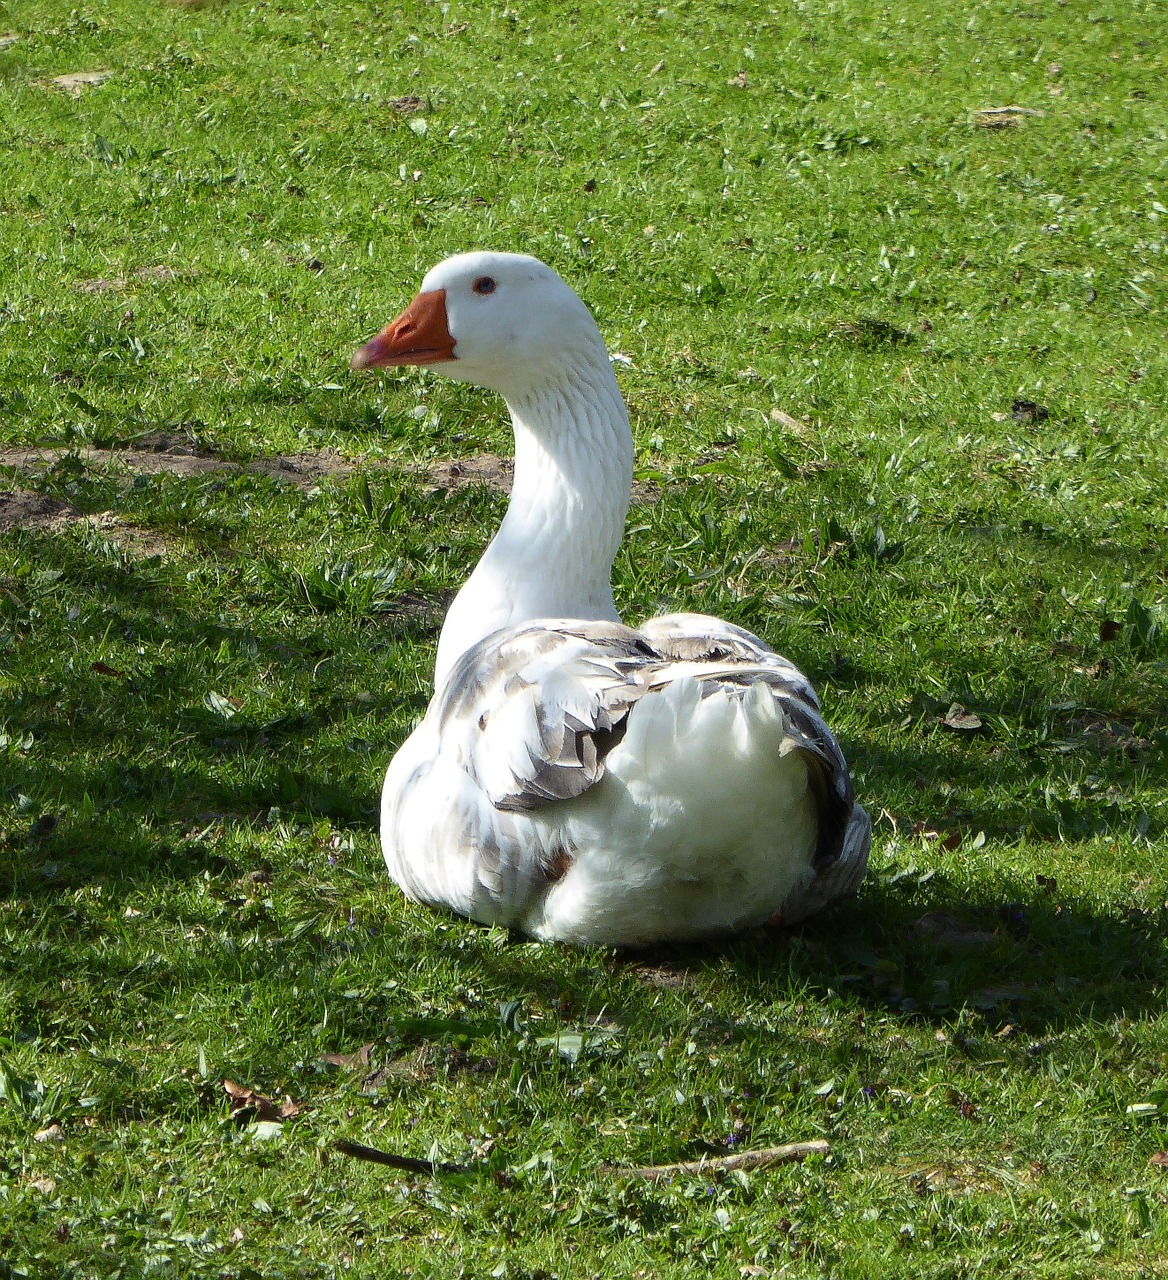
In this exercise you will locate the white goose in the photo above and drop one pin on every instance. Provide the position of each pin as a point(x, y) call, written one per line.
point(574, 778)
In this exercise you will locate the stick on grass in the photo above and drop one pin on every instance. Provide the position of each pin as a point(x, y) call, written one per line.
point(408, 1164)
point(760, 1159)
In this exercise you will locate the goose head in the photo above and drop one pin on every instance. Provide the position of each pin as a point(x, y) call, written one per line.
point(504, 321)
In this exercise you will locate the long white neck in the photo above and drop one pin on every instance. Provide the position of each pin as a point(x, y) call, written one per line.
point(553, 554)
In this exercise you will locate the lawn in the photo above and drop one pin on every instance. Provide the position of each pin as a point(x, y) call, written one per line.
point(897, 370)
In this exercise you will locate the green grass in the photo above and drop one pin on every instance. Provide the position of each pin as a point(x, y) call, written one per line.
point(198, 698)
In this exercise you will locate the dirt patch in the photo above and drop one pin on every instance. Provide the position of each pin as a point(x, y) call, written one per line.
point(424, 1063)
point(484, 468)
point(77, 81)
point(668, 977)
point(176, 455)
point(20, 509)
point(115, 284)
point(136, 542)
point(179, 455)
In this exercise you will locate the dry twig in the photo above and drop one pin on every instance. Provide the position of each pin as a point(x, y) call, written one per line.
point(760, 1159)
point(409, 1164)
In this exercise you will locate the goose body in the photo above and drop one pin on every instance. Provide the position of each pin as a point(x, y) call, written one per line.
point(574, 778)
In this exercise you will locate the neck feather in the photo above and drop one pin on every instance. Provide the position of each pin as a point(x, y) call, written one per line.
point(553, 554)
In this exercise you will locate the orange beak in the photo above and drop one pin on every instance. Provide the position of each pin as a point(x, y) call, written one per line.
point(420, 335)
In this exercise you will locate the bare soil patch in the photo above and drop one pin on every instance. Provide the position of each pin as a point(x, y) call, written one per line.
point(20, 509)
point(484, 468)
point(177, 455)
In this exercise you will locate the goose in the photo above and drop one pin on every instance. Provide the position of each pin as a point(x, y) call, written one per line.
point(575, 779)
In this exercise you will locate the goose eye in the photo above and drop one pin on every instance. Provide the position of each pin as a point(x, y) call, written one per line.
point(484, 285)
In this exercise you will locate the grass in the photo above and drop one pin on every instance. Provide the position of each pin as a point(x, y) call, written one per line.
point(204, 670)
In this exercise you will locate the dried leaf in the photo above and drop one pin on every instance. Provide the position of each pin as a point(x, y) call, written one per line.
point(54, 1133)
point(1109, 629)
point(961, 721)
point(246, 1104)
point(103, 669)
point(784, 419)
point(350, 1061)
point(1159, 1159)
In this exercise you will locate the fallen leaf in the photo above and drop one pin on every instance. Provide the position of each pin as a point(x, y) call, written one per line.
point(1158, 1158)
point(589, 185)
point(246, 1104)
point(784, 419)
point(46, 1186)
point(738, 81)
point(960, 720)
point(951, 842)
point(965, 1108)
point(660, 66)
point(1109, 629)
point(54, 1133)
point(1049, 883)
point(78, 81)
point(351, 1061)
point(103, 669)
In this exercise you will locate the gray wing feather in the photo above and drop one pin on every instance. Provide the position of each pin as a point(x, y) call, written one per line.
point(536, 710)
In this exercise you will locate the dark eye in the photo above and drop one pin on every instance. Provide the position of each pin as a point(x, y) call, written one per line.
point(484, 285)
